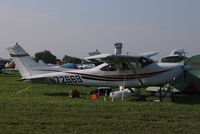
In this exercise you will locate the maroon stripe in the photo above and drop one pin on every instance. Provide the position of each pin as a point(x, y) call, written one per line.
point(120, 77)
point(19, 55)
point(112, 77)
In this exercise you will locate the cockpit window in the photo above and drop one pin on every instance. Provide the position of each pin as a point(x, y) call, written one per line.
point(145, 61)
point(125, 66)
point(142, 62)
point(109, 68)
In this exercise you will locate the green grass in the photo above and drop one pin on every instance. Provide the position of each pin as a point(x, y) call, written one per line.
point(33, 108)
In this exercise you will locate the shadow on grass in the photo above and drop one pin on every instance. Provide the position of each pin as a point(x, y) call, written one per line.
point(57, 94)
point(61, 94)
point(190, 99)
point(187, 99)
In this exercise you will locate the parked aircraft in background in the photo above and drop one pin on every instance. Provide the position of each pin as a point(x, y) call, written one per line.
point(96, 52)
point(10, 65)
point(59, 67)
point(176, 56)
point(3, 62)
point(115, 71)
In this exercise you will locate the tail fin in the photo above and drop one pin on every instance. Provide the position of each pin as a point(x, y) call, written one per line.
point(24, 62)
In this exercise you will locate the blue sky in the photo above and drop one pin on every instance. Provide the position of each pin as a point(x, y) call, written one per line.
point(75, 27)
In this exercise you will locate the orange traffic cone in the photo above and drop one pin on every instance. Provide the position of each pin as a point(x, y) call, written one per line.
point(94, 96)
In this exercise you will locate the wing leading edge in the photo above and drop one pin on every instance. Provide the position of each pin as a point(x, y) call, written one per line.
point(114, 58)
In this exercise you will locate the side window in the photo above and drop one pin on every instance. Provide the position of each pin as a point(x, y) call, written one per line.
point(125, 66)
point(109, 68)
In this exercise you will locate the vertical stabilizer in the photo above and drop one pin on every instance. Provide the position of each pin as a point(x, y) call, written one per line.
point(24, 62)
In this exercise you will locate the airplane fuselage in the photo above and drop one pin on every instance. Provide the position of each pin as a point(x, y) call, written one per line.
point(155, 74)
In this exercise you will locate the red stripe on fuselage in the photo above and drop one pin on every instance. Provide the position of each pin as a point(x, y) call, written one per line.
point(120, 77)
point(19, 55)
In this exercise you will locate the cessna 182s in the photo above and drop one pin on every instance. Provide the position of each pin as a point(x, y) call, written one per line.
point(115, 70)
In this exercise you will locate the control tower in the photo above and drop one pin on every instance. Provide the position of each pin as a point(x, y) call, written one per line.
point(118, 48)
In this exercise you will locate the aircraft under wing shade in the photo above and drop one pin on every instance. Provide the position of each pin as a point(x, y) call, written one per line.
point(114, 58)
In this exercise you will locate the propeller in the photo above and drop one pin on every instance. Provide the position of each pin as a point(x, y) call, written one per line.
point(186, 68)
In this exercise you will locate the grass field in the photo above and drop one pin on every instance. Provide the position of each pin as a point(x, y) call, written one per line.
point(33, 108)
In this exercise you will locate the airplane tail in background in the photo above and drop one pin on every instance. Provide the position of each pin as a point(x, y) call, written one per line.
point(194, 61)
point(189, 82)
point(26, 65)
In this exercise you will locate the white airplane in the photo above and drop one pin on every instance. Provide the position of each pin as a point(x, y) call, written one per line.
point(115, 71)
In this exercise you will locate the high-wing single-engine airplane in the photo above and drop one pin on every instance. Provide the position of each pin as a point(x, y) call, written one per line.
point(115, 71)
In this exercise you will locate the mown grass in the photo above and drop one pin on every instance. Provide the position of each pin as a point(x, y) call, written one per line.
point(34, 108)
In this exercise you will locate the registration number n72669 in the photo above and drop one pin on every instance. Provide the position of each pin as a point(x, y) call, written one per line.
point(72, 79)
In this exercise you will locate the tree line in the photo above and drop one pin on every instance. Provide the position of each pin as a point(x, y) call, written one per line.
point(48, 57)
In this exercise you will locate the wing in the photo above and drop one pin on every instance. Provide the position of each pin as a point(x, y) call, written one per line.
point(149, 54)
point(114, 58)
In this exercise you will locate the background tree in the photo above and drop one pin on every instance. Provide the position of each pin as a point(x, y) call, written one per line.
point(70, 59)
point(46, 56)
